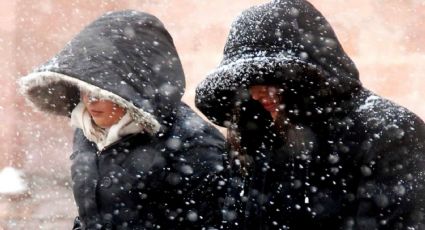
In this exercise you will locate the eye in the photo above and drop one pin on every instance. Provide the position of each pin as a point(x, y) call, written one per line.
point(89, 98)
point(92, 98)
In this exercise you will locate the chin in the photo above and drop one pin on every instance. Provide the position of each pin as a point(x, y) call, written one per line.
point(100, 123)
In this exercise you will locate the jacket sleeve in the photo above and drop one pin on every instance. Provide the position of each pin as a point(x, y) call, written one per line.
point(391, 194)
point(84, 177)
point(201, 168)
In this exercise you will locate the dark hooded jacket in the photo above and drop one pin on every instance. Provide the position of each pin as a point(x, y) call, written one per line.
point(167, 177)
point(347, 158)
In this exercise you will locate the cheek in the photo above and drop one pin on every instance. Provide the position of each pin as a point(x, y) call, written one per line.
point(259, 96)
point(85, 101)
point(106, 106)
point(109, 109)
point(115, 112)
point(275, 98)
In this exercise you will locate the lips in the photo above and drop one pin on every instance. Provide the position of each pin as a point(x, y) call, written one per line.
point(96, 112)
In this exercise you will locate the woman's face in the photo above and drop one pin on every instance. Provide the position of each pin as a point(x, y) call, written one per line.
point(268, 96)
point(104, 113)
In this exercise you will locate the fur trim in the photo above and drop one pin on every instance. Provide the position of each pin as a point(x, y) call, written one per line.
point(58, 94)
point(246, 70)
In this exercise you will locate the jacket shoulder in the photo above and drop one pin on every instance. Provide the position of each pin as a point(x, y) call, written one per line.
point(81, 143)
point(379, 112)
point(385, 120)
point(79, 140)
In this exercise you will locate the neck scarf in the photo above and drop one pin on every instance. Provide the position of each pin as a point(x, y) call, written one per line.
point(80, 118)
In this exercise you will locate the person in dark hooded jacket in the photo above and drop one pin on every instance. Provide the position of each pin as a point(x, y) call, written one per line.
point(311, 148)
point(142, 158)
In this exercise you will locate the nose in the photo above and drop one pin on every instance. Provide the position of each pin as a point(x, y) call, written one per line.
point(265, 99)
point(262, 97)
point(259, 96)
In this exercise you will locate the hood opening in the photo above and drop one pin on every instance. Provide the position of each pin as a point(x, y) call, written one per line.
point(308, 89)
point(58, 94)
point(307, 94)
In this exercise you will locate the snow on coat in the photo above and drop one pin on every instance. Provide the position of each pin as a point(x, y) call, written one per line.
point(350, 160)
point(166, 177)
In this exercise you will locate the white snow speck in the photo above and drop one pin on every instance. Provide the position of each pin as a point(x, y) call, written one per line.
point(11, 181)
point(370, 101)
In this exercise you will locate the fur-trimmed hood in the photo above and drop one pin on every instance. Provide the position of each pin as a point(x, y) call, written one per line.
point(127, 57)
point(283, 42)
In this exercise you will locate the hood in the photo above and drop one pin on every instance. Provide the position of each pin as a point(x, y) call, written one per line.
point(127, 57)
point(288, 43)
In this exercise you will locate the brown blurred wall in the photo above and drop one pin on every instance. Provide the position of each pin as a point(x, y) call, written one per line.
point(8, 110)
point(385, 38)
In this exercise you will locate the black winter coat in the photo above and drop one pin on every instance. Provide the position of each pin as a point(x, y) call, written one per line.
point(167, 181)
point(167, 177)
point(349, 159)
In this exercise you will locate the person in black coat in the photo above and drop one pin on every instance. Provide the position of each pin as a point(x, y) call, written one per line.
point(311, 148)
point(142, 158)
